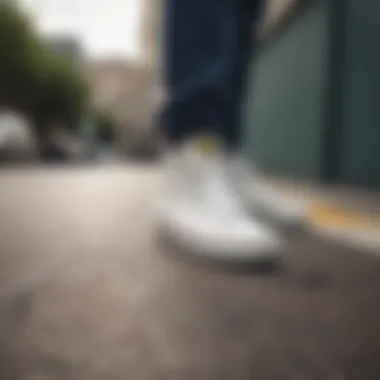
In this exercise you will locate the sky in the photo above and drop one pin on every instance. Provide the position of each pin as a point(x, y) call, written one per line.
point(106, 28)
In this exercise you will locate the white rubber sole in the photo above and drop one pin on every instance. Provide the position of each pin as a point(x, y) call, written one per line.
point(265, 254)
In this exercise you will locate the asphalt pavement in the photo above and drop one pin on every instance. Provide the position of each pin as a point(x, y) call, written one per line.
point(87, 293)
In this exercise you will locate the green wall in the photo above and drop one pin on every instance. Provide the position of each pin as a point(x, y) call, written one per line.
point(286, 102)
point(359, 159)
point(313, 106)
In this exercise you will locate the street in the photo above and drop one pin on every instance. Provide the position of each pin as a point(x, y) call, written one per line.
point(86, 293)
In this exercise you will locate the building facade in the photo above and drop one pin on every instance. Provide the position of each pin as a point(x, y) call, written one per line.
point(150, 33)
point(125, 91)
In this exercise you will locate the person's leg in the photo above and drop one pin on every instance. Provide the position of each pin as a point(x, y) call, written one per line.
point(204, 54)
point(194, 61)
point(248, 16)
point(207, 46)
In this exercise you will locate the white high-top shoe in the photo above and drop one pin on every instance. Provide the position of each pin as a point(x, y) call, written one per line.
point(263, 200)
point(202, 214)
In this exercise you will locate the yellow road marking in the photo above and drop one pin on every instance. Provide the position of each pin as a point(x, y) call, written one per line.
point(331, 216)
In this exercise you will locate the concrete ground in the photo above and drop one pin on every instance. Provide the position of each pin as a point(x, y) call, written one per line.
point(86, 293)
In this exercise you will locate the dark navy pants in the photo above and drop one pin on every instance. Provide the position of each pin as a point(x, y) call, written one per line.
point(207, 47)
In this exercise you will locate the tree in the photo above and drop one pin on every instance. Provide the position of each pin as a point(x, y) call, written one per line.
point(35, 80)
point(62, 94)
point(19, 49)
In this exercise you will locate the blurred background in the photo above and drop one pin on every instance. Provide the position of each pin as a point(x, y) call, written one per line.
point(83, 75)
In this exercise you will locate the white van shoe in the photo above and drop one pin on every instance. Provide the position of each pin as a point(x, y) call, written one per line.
point(201, 213)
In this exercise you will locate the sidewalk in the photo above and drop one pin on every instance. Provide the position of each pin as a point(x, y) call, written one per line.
point(89, 294)
point(346, 215)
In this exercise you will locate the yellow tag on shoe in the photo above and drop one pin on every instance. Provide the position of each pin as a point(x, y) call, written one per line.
point(208, 146)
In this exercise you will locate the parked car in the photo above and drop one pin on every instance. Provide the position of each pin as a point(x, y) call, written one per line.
point(51, 151)
point(17, 141)
point(60, 146)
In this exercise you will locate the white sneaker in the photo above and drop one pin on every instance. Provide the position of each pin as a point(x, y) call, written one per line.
point(263, 200)
point(202, 214)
